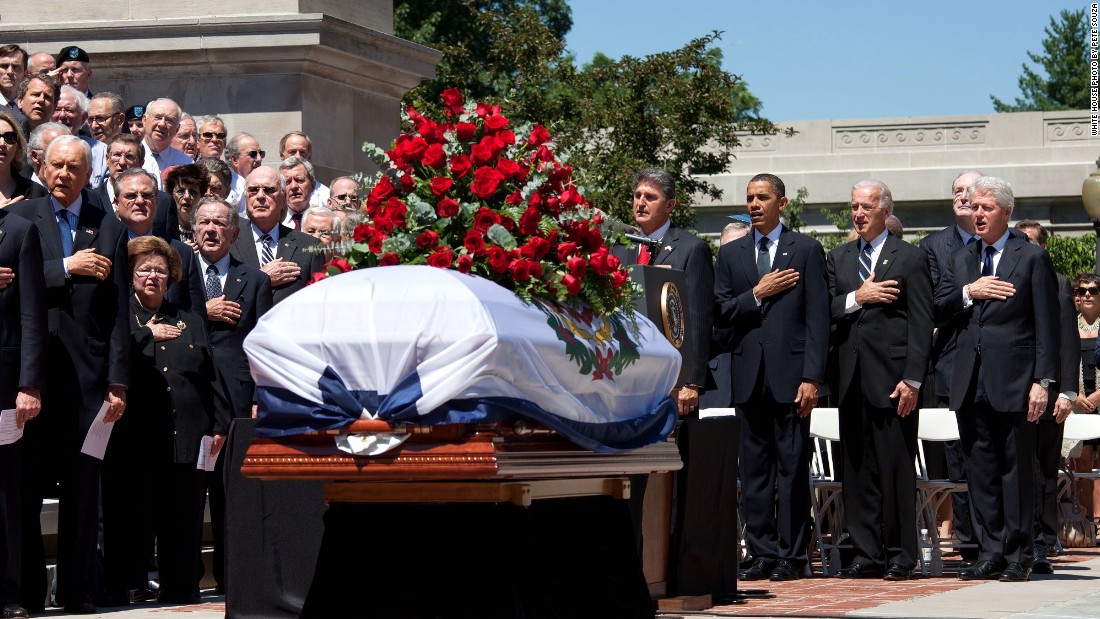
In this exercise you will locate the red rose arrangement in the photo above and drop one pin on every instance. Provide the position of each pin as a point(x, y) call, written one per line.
point(472, 193)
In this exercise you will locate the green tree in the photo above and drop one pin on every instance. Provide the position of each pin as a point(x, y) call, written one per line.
point(1065, 63)
point(1072, 255)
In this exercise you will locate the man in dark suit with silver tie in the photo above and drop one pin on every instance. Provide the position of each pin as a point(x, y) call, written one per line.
point(771, 290)
point(1005, 289)
point(882, 312)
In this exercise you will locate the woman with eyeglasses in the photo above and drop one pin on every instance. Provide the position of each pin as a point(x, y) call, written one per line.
point(13, 151)
point(186, 184)
point(1086, 296)
point(151, 487)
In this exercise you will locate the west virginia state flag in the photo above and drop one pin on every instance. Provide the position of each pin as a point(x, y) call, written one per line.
point(423, 345)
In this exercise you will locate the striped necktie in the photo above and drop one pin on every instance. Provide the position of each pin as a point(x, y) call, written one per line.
point(266, 255)
point(865, 262)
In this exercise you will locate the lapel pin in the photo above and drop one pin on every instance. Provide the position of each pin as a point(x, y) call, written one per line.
point(89, 231)
point(886, 261)
point(668, 248)
point(784, 253)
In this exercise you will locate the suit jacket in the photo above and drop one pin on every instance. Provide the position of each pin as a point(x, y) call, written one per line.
point(938, 248)
point(88, 319)
point(189, 294)
point(28, 189)
point(888, 341)
point(1069, 353)
point(1018, 339)
point(165, 206)
point(251, 288)
point(788, 333)
point(22, 310)
point(292, 247)
point(683, 250)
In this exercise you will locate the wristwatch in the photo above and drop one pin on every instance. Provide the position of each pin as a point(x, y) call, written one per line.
point(1044, 383)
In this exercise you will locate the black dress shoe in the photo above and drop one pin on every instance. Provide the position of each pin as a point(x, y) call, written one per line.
point(1041, 566)
point(982, 570)
point(145, 594)
point(785, 571)
point(860, 570)
point(966, 564)
point(11, 609)
point(87, 607)
point(1016, 572)
point(761, 569)
point(897, 572)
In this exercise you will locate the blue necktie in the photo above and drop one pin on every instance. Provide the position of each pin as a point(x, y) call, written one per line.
point(65, 228)
point(266, 255)
point(865, 262)
point(987, 260)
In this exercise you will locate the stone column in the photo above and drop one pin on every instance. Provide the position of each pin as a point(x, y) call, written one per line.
point(330, 68)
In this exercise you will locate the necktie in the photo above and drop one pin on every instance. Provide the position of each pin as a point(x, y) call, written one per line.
point(763, 258)
point(297, 217)
point(643, 254)
point(213, 284)
point(266, 255)
point(987, 260)
point(865, 262)
point(65, 228)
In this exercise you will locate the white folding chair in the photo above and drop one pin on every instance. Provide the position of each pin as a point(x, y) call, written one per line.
point(825, 489)
point(1079, 427)
point(935, 425)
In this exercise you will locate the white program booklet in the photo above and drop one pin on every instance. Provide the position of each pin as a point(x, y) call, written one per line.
point(9, 432)
point(206, 462)
point(95, 442)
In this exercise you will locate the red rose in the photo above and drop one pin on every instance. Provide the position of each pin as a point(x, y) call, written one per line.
point(507, 136)
point(520, 270)
point(570, 198)
point(514, 199)
point(543, 154)
point(481, 153)
point(407, 180)
point(441, 257)
point(318, 276)
point(465, 131)
point(362, 232)
point(507, 223)
point(339, 263)
point(593, 240)
point(577, 265)
point(427, 238)
point(484, 109)
point(486, 182)
point(511, 169)
point(474, 243)
point(599, 262)
point(446, 208)
point(381, 192)
point(484, 219)
point(452, 101)
point(375, 243)
point(613, 261)
point(388, 259)
point(383, 225)
point(565, 250)
point(534, 268)
point(396, 210)
point(412, 149)
point(464, 263)
point(434, 157)
point(498, 259)
point(536, 248)
point(441, 184)
point(551, 205)
point(494, 124)
point(460, 165)
point(618, 278)
point(572, 284)
point(539, 136)
point(529, 221)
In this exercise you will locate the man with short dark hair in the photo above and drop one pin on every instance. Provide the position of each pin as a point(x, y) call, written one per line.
point(13, 66)
point(298, 174)
point(36, 99)
point(1005, 293)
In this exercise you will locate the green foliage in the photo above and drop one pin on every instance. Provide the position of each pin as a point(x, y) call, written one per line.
point(676, 110)
point(795, 207)
point(1072, 255)
point(1065, 62)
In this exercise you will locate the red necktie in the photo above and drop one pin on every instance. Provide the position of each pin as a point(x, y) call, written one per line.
point(643, 254)
point(297, 217)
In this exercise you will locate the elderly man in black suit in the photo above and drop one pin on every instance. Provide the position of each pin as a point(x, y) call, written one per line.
point(237, 296)
point(705, 537)
point(84, 257)
point(939, 246)
point(1007, 357)
point(882, 311)
point(22, 376)
point(771, 289)
point(275, 249)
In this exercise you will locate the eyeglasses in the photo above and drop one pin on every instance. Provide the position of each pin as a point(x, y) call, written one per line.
point(126, 156)
point(324, 234)
point(158, 273)
point(346, 197)
point(131, 196)
point(1081, 291)
point(255, 190)
point(99, 120)
point(10, 137)
point(210, 135)
point(255, 154)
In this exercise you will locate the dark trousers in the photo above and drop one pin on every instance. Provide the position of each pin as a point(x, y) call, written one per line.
point(705, 545)
point(1048, 453)
point(999, 447)
point(880, 484)
point(775, 478)
point(962, 515)
point(179, 530)
point(11, 528)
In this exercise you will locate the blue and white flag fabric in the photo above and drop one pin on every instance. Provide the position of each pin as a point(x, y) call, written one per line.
point(417, 344)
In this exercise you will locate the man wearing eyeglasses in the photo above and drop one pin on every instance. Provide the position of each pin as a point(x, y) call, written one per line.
point(344, 195)
point(162, 122)
point(125, 151)
point(275, 249)
point(243, 154)
point(212, 137)
point(72, 111)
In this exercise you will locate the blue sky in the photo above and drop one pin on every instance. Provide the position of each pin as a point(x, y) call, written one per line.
point(838, 59)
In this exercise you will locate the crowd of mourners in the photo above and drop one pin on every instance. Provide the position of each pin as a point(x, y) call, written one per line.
point(138, 247)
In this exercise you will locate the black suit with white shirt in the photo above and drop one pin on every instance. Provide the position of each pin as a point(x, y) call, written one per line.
point(293, 247)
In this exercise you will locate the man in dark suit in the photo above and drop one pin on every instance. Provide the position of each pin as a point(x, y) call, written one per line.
point(771, 289)
point(84, 252)
point(1007, 357)
point(237, 296)
point(882, 310)
point(125, 152)
point(22, 377)
point(135, 204)
point(704, 546)
point(939, 247)
point(281, 252)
